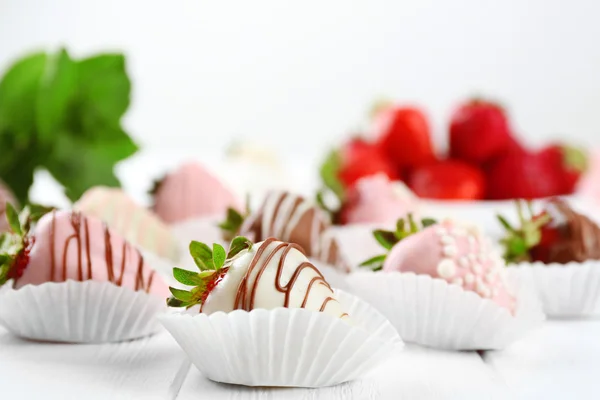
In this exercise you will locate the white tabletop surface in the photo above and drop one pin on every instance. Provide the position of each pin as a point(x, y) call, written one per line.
point(559, 360)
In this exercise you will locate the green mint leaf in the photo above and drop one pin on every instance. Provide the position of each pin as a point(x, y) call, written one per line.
point(202, 255)
point(186, 277)
point(219, 256)
point(56, 94)
point(428, 222)
point(18, 93)
point(105, 89)
point(65, 116)
point(386, 239)
point(79, 165)
point(182, 295)
point(13, 219)
point(238, 244)
point(329, 173)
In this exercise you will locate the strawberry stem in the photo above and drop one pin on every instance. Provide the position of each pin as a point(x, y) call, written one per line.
point(213, 264)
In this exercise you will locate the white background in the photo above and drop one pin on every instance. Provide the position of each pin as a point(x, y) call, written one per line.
point(296, 76)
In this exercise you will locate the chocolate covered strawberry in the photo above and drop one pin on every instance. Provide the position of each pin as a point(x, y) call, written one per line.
point(289, 218)
point(558, 234)
point(67, 245)
point(458, 254)
point(267, 275)
point(191, 191)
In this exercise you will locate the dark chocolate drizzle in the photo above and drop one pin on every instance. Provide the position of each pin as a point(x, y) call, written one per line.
point(244, 301)
point(77, 220)
point(303, 233)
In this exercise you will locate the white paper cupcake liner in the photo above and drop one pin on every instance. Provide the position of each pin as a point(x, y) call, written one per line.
point(433, 313)
point(565, 290)
point(285, 346)
point(79, 312)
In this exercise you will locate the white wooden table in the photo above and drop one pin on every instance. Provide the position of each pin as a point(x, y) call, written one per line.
point(559, 360)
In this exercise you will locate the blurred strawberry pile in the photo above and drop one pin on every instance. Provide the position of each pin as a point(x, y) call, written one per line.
point(485, 161)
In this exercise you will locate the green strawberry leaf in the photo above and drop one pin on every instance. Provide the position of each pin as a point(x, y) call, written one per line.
point(426, 222)
point(219, 256)
point(374, 263)
point(182, 295)
point(186, 277)
point(387, 239)
point(233, 222)
point(329, 174)
point(13, 219)
point(202, 255)
point(238, 244)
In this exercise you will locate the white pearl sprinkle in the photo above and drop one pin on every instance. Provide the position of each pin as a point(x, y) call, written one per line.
point(450, 251)
point(446, 268)
point(469, 278)
point(472, 257)
point(477, 268)
point(458, 281)
point(441, 231)
point(447, 239)
point(482, 258)
point(490, 277)
point(463, 262)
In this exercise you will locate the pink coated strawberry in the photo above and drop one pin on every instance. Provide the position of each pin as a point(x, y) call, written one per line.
point(458, 254)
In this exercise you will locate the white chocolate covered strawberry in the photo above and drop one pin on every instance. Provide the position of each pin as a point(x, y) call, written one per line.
point(266, 275)
point(451, 251)
point(290, 218)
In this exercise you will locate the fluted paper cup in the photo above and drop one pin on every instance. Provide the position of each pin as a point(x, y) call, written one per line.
point(285, 346)
point(565, 290)
point(79, 312)
point(433, 313)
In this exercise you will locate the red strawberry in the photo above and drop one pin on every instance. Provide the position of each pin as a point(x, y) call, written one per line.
point(450, 179)
point(523, 175)
point(404, 136)
point(479, 132)
point(571, 161)
point(360, 159)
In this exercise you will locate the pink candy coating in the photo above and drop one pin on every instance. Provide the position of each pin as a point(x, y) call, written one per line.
point(376, 199)
point(58, 229)
point(191, 192)
point(455, 254)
